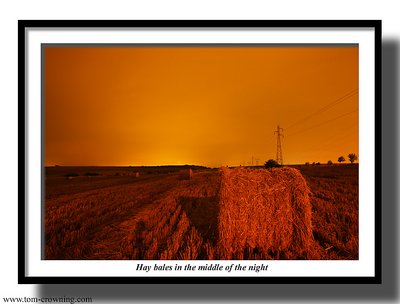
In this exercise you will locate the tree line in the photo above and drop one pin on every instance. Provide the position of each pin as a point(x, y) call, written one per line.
point(352, 157)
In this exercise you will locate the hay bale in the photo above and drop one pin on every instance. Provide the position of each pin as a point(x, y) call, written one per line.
point(264, 214)
point(185, 174)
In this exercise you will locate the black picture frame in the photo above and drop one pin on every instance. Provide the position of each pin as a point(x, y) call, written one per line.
point(23, 108)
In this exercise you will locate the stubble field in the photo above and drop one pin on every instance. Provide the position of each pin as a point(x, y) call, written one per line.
point(159, 213)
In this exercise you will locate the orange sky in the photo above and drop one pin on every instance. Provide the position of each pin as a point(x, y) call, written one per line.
point(200, 105)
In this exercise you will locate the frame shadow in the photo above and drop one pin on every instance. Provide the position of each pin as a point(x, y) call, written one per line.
point(387, 291)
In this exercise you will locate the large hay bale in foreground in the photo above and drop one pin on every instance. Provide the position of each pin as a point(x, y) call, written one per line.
point(264, 213)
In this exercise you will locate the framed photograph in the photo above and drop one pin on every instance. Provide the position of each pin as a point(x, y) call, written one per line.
point(200, 151)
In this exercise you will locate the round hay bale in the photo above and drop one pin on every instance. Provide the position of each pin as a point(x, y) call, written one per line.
point(264, 214)
point(185, 174)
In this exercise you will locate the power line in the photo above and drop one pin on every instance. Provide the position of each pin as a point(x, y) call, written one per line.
point(279, 131)
point(325, 108)
point(325, 145)
point(335, 139)
point(323, 123)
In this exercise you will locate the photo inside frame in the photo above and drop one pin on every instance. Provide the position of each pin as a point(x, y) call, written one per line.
point(200, 152)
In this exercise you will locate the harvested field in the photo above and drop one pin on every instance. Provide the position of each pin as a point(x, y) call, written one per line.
point(280, 214)
point(334, 200)
point(143, 218)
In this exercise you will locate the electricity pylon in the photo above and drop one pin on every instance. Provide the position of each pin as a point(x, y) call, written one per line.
point(279, 157)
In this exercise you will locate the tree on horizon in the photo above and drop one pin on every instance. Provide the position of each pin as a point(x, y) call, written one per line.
point(352, 157)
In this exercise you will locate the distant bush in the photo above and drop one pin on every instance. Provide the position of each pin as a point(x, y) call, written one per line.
point(330, 163)
point(271, 164)
point(318, 163)
point(307, 163)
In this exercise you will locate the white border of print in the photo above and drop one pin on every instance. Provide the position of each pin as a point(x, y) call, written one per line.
point(364, 267)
